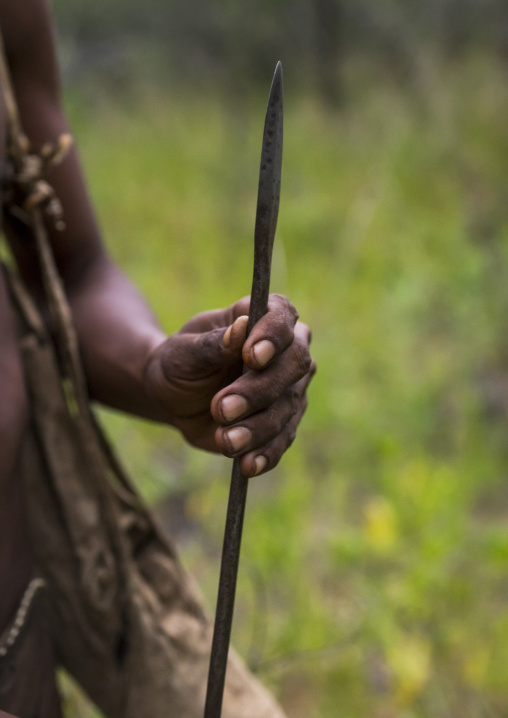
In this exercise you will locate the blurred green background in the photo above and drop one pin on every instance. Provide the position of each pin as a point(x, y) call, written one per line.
point(374, 573)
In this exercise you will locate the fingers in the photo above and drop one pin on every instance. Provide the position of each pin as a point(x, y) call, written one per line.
point(259, 462)
point(261, 439)
point(252, 415)
point(269, 338)
point(258, 429)
point(257, 390)
point(198, 355)
point(272, 334)
point(235, 335)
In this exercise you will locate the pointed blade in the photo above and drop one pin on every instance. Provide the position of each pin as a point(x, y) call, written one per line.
point(268, 198)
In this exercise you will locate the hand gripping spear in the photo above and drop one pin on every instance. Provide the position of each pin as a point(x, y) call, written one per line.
point(266, 223)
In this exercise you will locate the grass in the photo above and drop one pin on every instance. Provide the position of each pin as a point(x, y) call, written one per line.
point(374, 566)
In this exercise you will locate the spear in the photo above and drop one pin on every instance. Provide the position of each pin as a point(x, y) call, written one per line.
point(264, 233)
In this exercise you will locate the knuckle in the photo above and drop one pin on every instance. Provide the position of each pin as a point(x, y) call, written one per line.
point(294, 313)
point(294, 401)
point(291, 436)
point(219, 441)
point(289, 307)
point(303, 359)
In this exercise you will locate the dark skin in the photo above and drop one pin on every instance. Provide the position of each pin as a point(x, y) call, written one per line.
point(191, 380)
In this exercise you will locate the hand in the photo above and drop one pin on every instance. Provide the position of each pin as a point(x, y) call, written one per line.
point(197, 376)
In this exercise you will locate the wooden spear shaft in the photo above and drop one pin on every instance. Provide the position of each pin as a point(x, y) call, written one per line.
point(266, 223)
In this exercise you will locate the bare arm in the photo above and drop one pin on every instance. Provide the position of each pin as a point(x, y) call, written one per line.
point(115, 326)
point(185, 380)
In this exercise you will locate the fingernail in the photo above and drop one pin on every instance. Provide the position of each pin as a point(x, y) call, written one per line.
point(238, 437)
point(238, 325)
point(226, 339)
point(233, 406)
point(263, 351)
point(260, 463)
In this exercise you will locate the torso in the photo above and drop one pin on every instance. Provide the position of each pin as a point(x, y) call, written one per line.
point(15, 560)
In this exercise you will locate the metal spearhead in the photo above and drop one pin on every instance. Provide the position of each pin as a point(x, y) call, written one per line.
point(266, 223)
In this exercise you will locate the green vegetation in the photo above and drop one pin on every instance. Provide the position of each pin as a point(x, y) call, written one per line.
point(374, 571)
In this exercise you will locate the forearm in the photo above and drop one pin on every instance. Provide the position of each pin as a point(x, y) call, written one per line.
point(117, 333)
point(116, 330)
point(197, 375)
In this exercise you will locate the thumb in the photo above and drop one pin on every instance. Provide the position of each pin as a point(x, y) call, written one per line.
point(193, 356)
point(236, 334)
